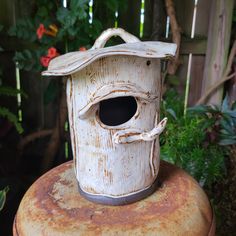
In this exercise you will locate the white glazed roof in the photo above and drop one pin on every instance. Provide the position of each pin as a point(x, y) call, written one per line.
point(75, 61)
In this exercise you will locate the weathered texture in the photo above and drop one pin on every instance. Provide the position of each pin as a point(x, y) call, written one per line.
point(75, 61)
point(104, 167)
point(52, 206)
point(115, 161)
point(217, 46)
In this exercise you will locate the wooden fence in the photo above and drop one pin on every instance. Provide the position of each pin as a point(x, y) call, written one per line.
point(193, 18)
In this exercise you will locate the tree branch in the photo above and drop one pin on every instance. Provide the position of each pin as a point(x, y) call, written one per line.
point(31, 137)
point(176, 36)
point(225, 76)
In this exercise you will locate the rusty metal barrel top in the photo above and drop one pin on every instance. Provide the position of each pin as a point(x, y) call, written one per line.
point(52, 206)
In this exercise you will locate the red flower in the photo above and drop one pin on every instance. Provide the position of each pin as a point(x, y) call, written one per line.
point(45, 61)
point(82, 49)
point(52, 52)
point(40, 31)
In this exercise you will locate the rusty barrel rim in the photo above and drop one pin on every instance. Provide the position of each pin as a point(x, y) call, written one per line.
point(53, 206)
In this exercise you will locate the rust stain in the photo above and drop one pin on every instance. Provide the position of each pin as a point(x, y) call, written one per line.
point(108, 175)
point(97, 142)
point(90, 190)
point(172, 205)
point(100, 164)
point(110, 140)
point(92, 121)
point(71, 87)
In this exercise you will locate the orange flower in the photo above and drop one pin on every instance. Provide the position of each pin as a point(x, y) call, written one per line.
point(40, 31)
point(52, 52)
point(45, 61)
point(82, 49)
point(53, 28)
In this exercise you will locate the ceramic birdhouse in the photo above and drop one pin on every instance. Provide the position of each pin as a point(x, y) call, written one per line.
point(113, 98)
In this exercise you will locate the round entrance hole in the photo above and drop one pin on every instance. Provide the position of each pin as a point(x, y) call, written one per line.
point(116, 111)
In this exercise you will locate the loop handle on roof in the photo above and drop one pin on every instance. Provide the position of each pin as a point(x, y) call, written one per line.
point(107, 34)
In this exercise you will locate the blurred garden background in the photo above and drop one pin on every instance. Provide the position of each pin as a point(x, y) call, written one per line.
point(199, 90)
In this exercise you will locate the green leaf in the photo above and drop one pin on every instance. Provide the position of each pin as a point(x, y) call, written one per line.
point(4, 112)
point(173, 80)
point(198, 109)
point(3, 194)
point(9, 91)
point(25, 29)
point(1, 49)
point(77, 4)
point(29, 60)
point(231, 113)
point(172, 113)
point(42, 11)
point(62, 14)
point(72, 31)
point(233, 106)
point(112, 5)
point(225, 104)
point(225, 142)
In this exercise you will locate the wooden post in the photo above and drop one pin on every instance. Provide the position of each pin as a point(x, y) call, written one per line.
point(155, 20)
point(217, 46)
point(131, 25)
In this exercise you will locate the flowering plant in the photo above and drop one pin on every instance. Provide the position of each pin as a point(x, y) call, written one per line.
point(54, 30)
point(52, 52)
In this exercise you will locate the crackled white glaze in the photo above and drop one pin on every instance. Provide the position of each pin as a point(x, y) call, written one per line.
point(114, 161)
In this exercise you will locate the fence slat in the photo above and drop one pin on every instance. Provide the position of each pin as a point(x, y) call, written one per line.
point(130, 19)
point(217, 46)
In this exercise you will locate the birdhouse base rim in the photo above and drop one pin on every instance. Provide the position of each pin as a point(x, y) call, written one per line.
point(123, 200)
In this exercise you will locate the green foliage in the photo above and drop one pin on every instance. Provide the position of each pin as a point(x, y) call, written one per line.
point(9, 91)
point(185, 146)
point(29, 59)
point(186, 143)
point(23, 30)
point(221, 121)
point(3, 194)
point(172, 105)
point(4, 112)
point(72, 30)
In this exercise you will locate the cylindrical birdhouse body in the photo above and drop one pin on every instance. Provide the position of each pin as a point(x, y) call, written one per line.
point(113, 97)
point(104, 167)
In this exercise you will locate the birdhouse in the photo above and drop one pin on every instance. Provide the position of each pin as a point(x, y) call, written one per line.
point(113, 98)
